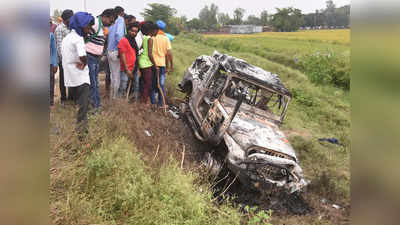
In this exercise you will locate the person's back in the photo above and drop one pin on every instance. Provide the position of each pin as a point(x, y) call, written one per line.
point(144, 60)
point(161, 45)
point(72, 48)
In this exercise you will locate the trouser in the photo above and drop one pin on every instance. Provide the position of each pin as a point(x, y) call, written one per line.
point(63, 91)
point(82, 94)
point(108, 78)
point(147, 76)
point(61, 85)
point(93, 64)
point(123, 84)
point(115, 70)
point(135, 87)
point(103, 66)
point(160, 80)
point(51, 86)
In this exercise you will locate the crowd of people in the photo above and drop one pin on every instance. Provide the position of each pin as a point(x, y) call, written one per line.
point(135, 56)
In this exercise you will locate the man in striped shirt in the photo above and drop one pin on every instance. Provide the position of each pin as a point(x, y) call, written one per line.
point(94, 49)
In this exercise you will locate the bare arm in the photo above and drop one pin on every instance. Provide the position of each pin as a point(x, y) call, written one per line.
point(123, 60)
point(170, 60)
point(150, 51)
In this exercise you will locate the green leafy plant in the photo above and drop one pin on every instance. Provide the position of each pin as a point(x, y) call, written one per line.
point(258, 216)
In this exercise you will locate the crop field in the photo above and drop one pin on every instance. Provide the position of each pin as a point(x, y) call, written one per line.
point(121, 175)
point(327, 36)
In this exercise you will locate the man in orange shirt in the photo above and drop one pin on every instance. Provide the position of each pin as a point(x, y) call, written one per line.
point(164, 63)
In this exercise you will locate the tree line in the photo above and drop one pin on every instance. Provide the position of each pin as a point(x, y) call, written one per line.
point(285, 19)
point(211, 19)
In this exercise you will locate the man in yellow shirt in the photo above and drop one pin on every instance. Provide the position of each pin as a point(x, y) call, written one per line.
point(163, 59)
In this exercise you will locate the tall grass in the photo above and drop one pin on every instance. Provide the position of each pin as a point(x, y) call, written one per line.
point(112, 185)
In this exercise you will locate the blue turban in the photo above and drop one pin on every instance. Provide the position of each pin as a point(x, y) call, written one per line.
point(80, 20)
point(161, 24)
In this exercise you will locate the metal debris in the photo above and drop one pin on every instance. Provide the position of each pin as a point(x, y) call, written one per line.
point(231, 101)
point(147, 133)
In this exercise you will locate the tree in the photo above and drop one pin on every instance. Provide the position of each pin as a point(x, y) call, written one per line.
point(330, 13)
point(253, 20)
point(194, 24)
point(161, 12)
point(288, 19)
point(56, 13)
point(238, 16)
point(264, 18)
point(223, 19)
point(343, 16)
point(208, 17)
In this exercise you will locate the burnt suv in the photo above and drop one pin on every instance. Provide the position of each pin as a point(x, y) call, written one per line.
point(231, 101)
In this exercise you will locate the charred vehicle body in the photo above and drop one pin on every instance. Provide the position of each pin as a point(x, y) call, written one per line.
point(231, 101)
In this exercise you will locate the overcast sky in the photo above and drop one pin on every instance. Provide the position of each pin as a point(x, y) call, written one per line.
point(191, 8)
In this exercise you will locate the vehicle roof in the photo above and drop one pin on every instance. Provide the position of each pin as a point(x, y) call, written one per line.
point(253, 73)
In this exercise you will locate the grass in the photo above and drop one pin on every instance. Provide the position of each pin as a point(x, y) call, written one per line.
point(110, 181)
point(113, 186)
point(297, 50)
point(115, 179)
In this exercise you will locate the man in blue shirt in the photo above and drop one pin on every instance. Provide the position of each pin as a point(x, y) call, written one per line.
point(53, 66)
point(115, 34)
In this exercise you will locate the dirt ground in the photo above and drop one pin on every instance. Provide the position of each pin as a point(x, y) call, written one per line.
point(171, 137)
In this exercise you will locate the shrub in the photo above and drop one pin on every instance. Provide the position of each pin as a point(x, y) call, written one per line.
point(326, 69)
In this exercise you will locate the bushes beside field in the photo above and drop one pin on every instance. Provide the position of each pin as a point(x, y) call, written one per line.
point(322, 67)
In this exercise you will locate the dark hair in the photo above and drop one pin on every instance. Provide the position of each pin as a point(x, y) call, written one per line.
point(154, 26)
point(118, 10)
point(133, 17)
point(129, 17)
point(66, 14)
point(147, 27)
point(108, 13)
point(135, 24)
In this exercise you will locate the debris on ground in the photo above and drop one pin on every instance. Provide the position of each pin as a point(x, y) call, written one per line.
point(147, 133)
point(330, 140)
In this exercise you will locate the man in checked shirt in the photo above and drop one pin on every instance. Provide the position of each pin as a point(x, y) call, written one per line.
point(60, 33)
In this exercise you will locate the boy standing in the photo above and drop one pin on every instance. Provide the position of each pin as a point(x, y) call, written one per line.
point(76, 72)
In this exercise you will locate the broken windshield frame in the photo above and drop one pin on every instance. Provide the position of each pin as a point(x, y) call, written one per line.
point(258, 98)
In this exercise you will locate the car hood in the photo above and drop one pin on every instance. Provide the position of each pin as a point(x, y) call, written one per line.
point(248, 132)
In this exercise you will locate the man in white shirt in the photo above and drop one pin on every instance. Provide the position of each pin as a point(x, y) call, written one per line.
point(74, 60)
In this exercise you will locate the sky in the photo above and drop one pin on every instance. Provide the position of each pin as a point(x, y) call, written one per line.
point(191, 9)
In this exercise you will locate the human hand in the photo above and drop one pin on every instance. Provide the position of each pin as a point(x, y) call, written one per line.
point(80, 65)
point(129, 74)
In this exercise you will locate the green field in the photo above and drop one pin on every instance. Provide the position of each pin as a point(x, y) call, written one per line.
point(121, 176)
